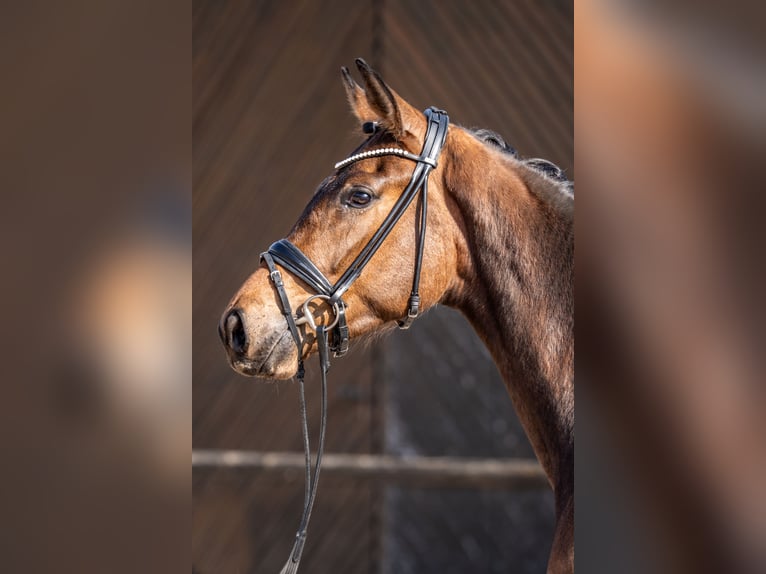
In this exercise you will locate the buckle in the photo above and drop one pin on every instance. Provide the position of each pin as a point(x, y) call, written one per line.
point(412, 311)
point(276, 276)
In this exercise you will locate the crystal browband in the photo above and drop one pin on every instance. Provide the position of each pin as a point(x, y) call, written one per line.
point(385, 151)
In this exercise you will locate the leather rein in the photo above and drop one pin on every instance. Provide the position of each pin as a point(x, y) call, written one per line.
point(335, 336)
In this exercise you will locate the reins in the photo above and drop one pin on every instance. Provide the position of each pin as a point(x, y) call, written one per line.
point(293, 260)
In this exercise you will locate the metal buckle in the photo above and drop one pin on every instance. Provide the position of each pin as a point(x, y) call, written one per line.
point(309, 319)
point(414, 306)
point(276, 276)
point(413, 309)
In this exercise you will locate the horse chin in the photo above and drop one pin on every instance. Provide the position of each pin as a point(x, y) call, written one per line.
point(280, 361)
point(281, 364)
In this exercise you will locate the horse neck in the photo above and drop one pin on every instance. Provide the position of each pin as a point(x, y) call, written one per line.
point(514, 284)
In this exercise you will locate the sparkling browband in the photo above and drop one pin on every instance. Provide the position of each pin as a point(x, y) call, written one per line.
point(384, 151)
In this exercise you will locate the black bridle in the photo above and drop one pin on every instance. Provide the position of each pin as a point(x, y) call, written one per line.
point(292, 259)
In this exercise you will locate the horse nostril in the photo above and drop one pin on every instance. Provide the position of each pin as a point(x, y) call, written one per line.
point(235, 332)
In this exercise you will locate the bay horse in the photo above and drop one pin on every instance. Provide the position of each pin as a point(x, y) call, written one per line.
point(496, 243)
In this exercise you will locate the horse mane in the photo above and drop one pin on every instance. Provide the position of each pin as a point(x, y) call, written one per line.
point(537, 172)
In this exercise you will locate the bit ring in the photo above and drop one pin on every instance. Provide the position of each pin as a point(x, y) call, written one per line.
point(309, 319)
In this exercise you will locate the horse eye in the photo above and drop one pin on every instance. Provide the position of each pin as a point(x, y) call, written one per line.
point(359, 198)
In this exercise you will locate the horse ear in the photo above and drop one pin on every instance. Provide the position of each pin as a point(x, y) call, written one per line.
point(379, 103)
point(355, 96)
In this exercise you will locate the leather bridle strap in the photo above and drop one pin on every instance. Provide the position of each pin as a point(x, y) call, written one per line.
point(284, 302)
point(293, 260)
point(436, 133)
point(311, 483)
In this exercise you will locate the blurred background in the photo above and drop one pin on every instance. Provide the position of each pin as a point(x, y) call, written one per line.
point(270, 119)
point(95, 244)
point(670, 118)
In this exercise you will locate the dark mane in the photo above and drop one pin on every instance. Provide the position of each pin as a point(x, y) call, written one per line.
point(495, 139)
point(538, 165)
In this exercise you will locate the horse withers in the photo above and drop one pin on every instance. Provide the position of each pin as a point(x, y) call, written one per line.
point(496, 243)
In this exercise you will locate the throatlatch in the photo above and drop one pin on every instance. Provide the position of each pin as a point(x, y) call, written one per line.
point(335, 336)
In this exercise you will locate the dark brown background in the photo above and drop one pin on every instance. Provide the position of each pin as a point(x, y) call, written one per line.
point(269, 121)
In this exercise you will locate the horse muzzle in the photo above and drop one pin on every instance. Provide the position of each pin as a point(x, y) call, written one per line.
point(255, 349)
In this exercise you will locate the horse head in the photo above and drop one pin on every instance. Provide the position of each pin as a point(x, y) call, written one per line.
point(346, 211)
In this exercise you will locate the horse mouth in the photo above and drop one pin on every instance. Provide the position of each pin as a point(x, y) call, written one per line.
point(279, 361)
